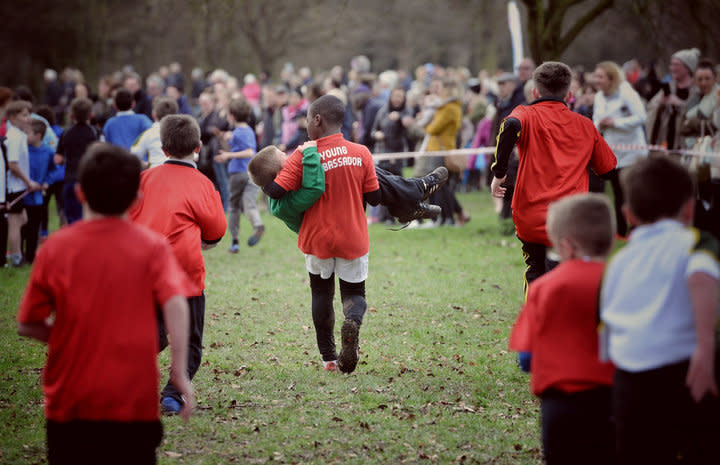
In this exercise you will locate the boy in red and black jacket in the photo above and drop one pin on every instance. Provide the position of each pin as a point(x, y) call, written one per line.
point(556, 146)
point(180, 203)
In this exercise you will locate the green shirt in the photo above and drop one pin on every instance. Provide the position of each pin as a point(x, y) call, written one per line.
point(291, 206)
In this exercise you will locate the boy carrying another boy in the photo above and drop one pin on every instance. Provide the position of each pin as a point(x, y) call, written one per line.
point(659, 304)
point(558, 325)
point(180, 203)
point(405, 197)
point(334, 233)
point(92, 296)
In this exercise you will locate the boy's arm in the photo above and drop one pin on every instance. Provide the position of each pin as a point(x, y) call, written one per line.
point(704, 296)
point(176, 315)
point(290, 206)
point(37, 304)
point(507, 137)
point(39, 331)
point(313, 179)
point(225, 156)
point(603, 159)
point(15, 169)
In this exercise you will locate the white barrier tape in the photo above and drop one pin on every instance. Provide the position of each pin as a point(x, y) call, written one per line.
point(442, 153)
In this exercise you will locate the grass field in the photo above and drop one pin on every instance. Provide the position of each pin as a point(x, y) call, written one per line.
point(435, 383)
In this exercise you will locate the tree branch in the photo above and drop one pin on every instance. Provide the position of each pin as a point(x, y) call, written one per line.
point(586, 19)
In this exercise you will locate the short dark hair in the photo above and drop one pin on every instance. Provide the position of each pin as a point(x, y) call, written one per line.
point(110, 177)
point(179, 135)
point(656, 188)
point(23, 92)
point(706, 63)
point(240, 109)
point(46, 112)
point(123, 99)
point(163, 106)
point(38, 126)
point(552, 79)
point(586, 219)
point(330, 108)
point(81, 109)
point(16, 107)
point(264, 166)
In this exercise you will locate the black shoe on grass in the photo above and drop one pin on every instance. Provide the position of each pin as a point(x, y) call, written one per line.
point(433, 180)
point(348, 358)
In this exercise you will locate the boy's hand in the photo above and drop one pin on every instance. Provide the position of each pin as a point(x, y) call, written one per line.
point(310, 143)
point(701, 377)
point(496, 187)
point(58, 159)
point(221, 157)
point(33, 186)
point(185, 388)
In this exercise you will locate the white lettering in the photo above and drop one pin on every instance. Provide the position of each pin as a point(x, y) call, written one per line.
point(341, 161)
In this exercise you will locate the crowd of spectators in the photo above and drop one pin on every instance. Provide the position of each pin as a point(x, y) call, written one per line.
point(432, 108)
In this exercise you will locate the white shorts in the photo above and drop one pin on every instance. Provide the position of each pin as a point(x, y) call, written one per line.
point(351, 271)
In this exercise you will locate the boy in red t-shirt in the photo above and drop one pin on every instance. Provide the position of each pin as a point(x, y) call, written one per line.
point(556, 146)
point(180, 203)
point(334, 233)
point(558, 325)
point(92, 296)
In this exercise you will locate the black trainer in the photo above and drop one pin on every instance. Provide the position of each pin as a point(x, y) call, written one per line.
point(433, 180)
point(421, 211)
point(348, 358)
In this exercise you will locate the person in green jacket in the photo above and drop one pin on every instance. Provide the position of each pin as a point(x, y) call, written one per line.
point(268, 162)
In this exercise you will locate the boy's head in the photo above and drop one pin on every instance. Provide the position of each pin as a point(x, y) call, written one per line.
point(163, 106)
point(123, 99)
point(109, 178)
point(240, 110)
point(583, 223)
point(81, 109)
point(179, 135)
point(552, 79)
point(18, 112)
point(265, 165)
point(46, 112)
point(656, 188)
point(36, 132)
point(325, 117)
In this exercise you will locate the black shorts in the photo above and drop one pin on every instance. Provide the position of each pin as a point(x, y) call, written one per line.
point(83, 442)
point(19, 205)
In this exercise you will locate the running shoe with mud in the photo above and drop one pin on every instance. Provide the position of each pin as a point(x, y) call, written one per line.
point(348, 358)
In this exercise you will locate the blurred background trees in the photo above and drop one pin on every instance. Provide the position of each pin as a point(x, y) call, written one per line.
point(98, 36)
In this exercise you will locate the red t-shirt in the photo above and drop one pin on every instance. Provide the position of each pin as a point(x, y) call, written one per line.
point(556, 146)
point(335, 226)
point(103, 280)
point(180, 203)
point(558, 324)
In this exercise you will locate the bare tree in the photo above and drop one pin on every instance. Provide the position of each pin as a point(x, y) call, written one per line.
point(546, 31)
